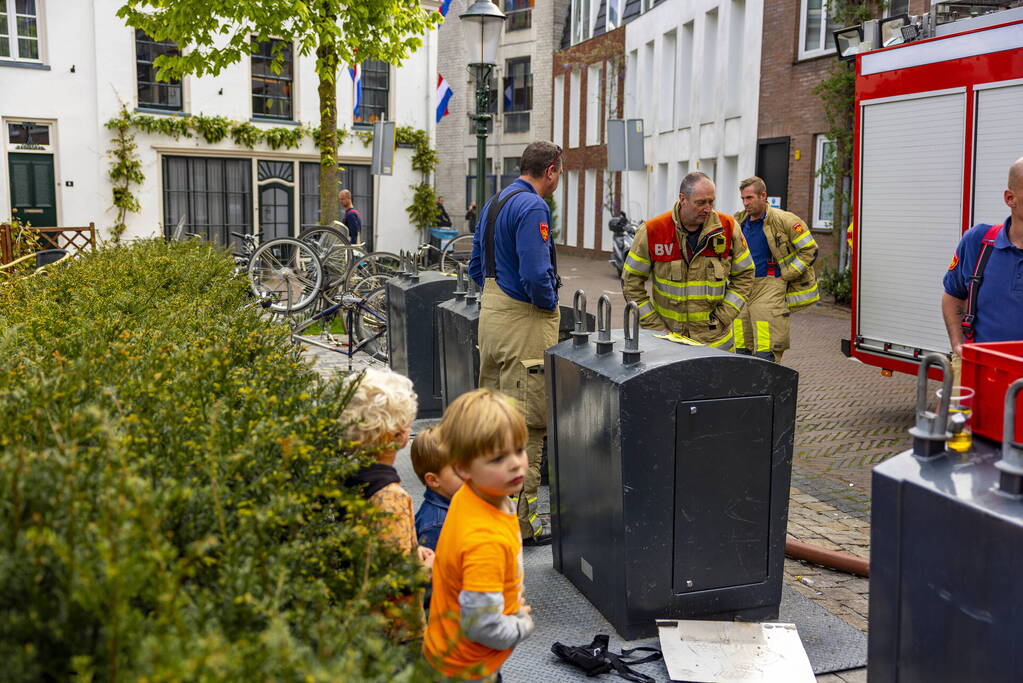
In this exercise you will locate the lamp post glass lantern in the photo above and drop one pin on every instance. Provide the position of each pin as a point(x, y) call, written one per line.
point(482, 24)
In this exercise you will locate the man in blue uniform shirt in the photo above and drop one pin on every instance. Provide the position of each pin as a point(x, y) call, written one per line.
point(513, 260)
point(999, 301)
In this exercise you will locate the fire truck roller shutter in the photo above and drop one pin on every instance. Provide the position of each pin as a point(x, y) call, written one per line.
point(998, 145)
point(910, 218)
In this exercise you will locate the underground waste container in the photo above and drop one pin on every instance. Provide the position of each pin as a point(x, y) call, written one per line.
point(669, 475)
point(413, 331)
point(459, 333)
point(459, 341)
point(946, 550)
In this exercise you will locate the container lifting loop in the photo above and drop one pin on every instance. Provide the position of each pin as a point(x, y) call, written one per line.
point(1010, 481)
point(630, 349)
point(604, 343)
point(402, 263)
point(931, 430)
point(472, 296)
point(460, 290)
point(580, 335)
point(413, 266)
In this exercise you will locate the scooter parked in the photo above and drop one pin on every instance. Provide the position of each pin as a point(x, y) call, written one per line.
point(623, 231)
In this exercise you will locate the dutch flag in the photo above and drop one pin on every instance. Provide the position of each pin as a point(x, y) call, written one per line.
point(445, 5)
point(443, 97)
point(356, 74)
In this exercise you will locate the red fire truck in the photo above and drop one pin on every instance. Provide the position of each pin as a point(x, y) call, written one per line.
point(938, 123)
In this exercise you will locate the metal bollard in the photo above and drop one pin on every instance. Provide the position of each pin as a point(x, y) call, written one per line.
point(630, 349)
point(931, 430)
point(604, 343)
point(580, 335)
point(1010, 467)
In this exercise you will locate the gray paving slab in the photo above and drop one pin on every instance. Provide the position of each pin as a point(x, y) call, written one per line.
point(563, 614)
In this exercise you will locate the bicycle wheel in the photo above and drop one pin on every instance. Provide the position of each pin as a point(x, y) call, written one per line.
point(457, 251)
point(370, 272)
point(289, 271)
point(371, 324)
point(335, 253)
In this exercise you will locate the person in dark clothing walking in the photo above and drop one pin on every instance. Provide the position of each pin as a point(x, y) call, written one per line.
point(443, 219)
point(352, 218)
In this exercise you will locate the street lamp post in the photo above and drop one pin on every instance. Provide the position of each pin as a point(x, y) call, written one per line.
point(482, 24)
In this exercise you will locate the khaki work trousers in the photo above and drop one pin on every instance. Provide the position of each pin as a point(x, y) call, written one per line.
point(762, 328)
point(513, 336)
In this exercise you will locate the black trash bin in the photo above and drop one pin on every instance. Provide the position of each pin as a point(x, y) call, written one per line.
point(460, 351)
point(413, 331)
point(946, 547)
point(459, 340)
point(670, 469)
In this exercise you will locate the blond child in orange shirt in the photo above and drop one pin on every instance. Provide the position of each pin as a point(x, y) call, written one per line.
point(478, 613)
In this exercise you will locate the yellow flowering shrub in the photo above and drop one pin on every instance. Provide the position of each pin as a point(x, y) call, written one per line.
point(175, 497)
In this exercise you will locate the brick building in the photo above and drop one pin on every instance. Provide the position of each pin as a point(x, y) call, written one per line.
point(589, 83)
point(798, 53)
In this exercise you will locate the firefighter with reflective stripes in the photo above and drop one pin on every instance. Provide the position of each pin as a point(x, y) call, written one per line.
point(698, 265)
point(784, 251)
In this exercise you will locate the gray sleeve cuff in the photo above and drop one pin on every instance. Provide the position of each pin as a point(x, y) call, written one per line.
point(483, 621)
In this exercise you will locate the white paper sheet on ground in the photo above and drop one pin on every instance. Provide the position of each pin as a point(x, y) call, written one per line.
point(733, 652)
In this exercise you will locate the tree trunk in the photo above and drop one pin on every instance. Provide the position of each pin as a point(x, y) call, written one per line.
point(326, 68)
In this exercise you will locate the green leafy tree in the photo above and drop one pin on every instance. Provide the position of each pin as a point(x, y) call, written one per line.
point(213, 34)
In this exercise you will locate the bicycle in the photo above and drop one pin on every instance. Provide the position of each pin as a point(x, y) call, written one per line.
point(365, 325)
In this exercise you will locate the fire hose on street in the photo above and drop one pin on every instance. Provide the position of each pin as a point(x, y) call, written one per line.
point(832, 559)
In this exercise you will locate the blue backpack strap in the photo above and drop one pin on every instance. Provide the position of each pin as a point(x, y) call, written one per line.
point(986, 243)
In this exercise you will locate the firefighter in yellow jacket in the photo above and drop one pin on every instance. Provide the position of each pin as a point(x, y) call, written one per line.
point(784, 251)
point(700, 269)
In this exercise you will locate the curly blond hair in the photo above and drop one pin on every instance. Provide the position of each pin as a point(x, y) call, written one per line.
point(382, 407)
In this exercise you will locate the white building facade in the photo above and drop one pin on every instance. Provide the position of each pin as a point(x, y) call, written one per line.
point(692, 73)
point(66, 68)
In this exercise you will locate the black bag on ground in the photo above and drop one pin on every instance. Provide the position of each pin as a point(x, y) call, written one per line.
point(596, 658)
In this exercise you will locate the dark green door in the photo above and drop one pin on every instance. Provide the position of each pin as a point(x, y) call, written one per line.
point(33, 195)
point(275, 211)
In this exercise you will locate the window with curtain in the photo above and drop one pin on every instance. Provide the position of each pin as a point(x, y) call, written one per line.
point(376, 91)
point(272, 90)
point(823, 197)
point(353, 177)
point(155, 94)
point(214, 194)
point(19, 30)
point(518, 95)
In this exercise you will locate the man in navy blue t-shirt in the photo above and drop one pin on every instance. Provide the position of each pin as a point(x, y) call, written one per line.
point(519, 317)
point(999, 312)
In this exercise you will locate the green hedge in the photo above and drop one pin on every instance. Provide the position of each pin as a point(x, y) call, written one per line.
point(172, 473)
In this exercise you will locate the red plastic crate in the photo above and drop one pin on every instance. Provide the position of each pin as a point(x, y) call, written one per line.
point(990, 368)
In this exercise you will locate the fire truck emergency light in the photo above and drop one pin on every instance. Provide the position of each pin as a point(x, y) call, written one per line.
point(848, 41)
point(892, 30)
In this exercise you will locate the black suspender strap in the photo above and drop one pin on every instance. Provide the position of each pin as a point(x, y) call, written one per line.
point(493, 211)
point(987, 243)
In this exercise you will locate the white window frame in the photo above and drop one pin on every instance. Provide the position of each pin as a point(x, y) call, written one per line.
point(12, 34)
point(819, 223)
point(825, 29)
point(611, 25)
